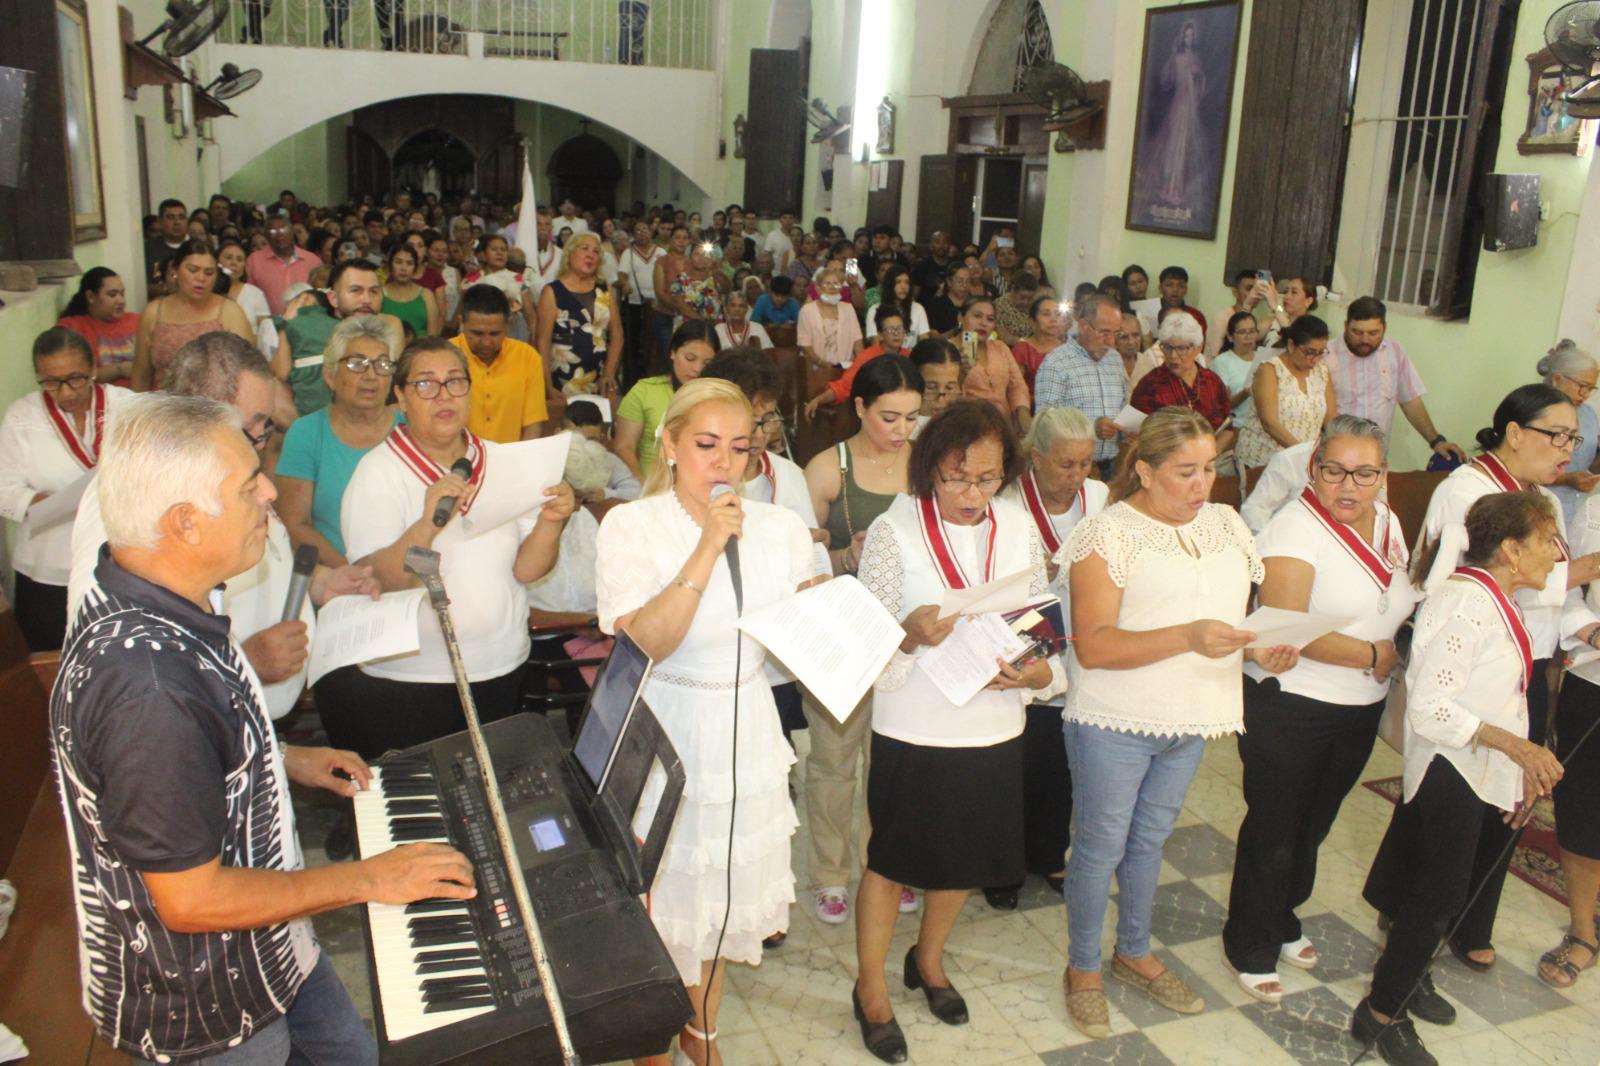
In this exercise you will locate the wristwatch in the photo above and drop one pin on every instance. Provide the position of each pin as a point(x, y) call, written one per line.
point(1436, 441)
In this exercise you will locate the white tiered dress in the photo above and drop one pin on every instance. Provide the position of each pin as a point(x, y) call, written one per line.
point(642, 547)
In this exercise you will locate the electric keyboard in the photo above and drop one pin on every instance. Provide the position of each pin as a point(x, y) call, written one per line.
point(454, 980)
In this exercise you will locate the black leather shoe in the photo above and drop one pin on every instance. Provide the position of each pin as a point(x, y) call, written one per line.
point(883, 1039)
point(1397, 1043)
point(1426, 1003)
point(1002, 899)
point(946, 1003)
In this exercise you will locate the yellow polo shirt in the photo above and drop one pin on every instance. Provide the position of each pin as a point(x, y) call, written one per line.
point(506, 394)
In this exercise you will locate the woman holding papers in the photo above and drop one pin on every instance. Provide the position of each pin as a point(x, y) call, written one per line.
point(1470, 768)
point(945, 793)
point(1336, 551)
point(1160, 580)
point(662, 575)
point(1057, 493)
point(389, 506)
point(50, 441)
point(1529, 444)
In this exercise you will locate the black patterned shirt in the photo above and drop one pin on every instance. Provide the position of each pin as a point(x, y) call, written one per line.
point(165, 759)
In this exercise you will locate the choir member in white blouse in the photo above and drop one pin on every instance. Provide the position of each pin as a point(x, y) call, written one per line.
point(1469, 766)
point(49, 441)
point(945, 793)
point(1057, 493)
point(661, 574)
point(1337, 550)
point(1530, 443)
point(1160, 581)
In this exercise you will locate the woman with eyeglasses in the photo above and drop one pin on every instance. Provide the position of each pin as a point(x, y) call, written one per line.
point(1529, 445)
point(1574, 372)
point(388, 508)
point(827, 330)
point(939, 363)
point(1180, 380)
point(49, 440)
point(1337, 550)
point(1293, 395)
point(945, 793)
point(321, 450)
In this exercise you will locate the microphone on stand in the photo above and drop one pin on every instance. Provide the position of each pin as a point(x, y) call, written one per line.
point(461, 468)
point(305, 561)
point(732, 551)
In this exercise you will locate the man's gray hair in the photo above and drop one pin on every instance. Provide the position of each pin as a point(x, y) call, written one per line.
point(211, 366)
point(1084, 310)
point(380, 328)
point(159, 453)
point(588, 469)
point(1350, 426)
point(1180, 326)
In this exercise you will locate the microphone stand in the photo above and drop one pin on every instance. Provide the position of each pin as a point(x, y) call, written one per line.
point(425, 565)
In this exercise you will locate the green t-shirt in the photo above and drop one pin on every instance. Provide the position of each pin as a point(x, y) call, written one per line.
point(646, 403)
point(307, 334)
point(313, 452)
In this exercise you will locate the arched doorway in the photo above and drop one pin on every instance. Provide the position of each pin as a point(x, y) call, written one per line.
point(585, 170)
point(435, 161)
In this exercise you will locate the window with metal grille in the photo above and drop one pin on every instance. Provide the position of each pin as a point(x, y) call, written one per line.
point(1034, 46)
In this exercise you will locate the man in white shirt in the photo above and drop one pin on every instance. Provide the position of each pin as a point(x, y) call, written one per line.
point(778, 243)
point(1371, 375)
point(569, 219)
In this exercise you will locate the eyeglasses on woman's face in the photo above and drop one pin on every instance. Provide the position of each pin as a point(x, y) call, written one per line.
point(73, 382)
point(986, 485)
point(428, 388)
point(1560, 438)
point(383, 366)
point(1335, 473)
point(1582, 388)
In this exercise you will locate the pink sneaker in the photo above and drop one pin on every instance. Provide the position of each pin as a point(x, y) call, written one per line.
point(908, 901)
point(833, 904)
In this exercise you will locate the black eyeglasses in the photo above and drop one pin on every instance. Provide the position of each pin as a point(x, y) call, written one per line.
point(71, 381)
point(268, 428)
point(1334, 474)
point(769, 424)
point(1561, 438)
point(360, 364)
point(428, 388)
point(985, 485)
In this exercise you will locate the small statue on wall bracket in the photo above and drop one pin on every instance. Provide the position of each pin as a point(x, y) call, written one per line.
point(739, 125)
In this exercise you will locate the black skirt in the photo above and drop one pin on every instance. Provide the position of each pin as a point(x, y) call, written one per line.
point(946, 818)
point(1577, 796)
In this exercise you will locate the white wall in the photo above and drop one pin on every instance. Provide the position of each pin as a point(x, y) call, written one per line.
point(1580, 311)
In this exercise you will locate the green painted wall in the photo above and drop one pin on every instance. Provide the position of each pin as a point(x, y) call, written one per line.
point(311, 162)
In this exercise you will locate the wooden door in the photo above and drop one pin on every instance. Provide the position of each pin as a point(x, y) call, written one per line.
point(945, 196)
point(775, 135)
point(500, 172)
point(1030, 224)
point(367, 165)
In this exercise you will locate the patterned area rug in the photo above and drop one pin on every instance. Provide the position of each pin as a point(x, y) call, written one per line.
point(1537, 859)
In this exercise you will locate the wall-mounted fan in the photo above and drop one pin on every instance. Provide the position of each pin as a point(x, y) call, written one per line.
point(828, 125)
point(1573, 37)
point(188, 24)
point(231, 82)
point(1062, 91)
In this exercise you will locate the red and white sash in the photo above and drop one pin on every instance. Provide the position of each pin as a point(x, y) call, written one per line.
point(1041, 517)
point(770, 470)
point(1492, 468)
point(944, 559)
point(1380, 568)
point(86, 453)
point(427, 471)
point(1510, 614)
point(737, 341)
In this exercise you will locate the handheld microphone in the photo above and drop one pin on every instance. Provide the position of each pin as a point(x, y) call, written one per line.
point(461, 468)
point(732, 551)
point(305, 561)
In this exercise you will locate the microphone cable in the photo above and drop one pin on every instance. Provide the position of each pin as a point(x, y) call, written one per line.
point(1505, 852)
point(733, 810)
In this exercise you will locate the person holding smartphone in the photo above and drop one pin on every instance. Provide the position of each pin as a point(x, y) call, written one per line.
point(1247, 293)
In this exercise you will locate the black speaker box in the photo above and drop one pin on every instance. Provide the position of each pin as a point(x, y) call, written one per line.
point(16, 98)
point(1510, 212)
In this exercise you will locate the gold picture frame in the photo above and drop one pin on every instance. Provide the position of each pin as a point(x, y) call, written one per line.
point(1549, 129)
point(81, 138)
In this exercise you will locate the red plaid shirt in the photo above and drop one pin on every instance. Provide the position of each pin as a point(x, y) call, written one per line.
point(1162, 388)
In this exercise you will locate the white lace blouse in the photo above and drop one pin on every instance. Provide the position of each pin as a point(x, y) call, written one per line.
point(1168, 576)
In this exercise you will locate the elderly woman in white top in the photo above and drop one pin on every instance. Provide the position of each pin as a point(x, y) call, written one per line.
point(1469, 765)
point(1160, 581)
point(945, 793)
point(1573, 372)
point(50, 440)
point(1057, 493)
point(1336, 550)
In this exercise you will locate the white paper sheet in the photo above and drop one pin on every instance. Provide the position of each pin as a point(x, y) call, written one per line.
point(1002, 594)
point(358, 629)
point(1129, 419)
point(822, 566)
point(835, 637)
point(518, 478)
point(965, 662)
point(60, 506)
point(1583, 658)
point(1274, 627)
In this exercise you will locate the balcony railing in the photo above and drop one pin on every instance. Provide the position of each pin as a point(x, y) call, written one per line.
point(653, 33)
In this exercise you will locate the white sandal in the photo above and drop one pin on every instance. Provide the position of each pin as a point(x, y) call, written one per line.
point(681, 1057)
point(1294, 954)
point(1253, 983)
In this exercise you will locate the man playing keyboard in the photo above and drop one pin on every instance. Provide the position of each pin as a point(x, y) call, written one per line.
point(191, 897)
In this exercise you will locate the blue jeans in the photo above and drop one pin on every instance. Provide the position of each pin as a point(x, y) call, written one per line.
point(1126, 792)
point(321, 1028)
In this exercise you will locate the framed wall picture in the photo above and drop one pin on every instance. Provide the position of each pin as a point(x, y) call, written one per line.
point(886, 116)
point(1549, 128)
point(78, 115)
point(1181, 135)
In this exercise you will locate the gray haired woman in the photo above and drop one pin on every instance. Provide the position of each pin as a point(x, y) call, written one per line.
point(1573, 371)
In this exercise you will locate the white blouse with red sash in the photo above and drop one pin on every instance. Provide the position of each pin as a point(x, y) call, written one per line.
point(41, 450)
point(1471, 660)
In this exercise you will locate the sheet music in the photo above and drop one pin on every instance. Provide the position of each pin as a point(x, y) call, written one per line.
point(358, 629)
point(822, 565)
point(1274, 627)
point(516, 482)
point(835, 637)
point(1129, 419)
point(962, 665)
point(1007, 593)
point(60, 506)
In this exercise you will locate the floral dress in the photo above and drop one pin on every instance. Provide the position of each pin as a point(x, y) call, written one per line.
point(701, 295)
point(1300, 411)
point(579, 338)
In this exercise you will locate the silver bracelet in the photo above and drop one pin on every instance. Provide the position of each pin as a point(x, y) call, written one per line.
point(684, 582)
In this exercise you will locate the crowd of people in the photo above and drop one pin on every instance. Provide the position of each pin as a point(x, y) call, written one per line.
point(371, 354)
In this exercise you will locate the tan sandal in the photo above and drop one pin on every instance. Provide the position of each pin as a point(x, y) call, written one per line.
point(1559, 961)
point(1088, 1009)
point(1167, 988)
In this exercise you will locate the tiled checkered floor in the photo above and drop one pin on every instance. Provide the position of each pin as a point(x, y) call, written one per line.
point(794, 1009)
